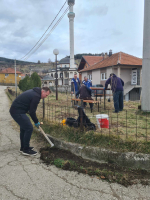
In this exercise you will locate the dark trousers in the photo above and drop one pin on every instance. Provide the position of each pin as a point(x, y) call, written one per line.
point(118, 100)
point(91, 104)
point(26, 129)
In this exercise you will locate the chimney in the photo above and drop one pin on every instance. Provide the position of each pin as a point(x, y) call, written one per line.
point(110, 53)
point(105, 55)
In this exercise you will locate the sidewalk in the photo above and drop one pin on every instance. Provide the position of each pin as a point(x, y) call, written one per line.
point(27, 178)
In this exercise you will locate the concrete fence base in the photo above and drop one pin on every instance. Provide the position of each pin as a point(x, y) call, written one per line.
point(101, 155)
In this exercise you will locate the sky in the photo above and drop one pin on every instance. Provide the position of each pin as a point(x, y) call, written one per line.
point(98, 27)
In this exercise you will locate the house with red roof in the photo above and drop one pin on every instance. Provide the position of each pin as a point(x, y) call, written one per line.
point(125, 66)
point(7, 76)
point(86, 62)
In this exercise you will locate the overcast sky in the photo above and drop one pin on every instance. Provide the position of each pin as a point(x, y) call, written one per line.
point(99, 26)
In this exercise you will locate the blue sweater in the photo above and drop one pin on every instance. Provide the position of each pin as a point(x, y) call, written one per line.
point(87, 83)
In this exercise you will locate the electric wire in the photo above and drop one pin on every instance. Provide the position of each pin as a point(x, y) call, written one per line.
point(47, 34)
point(45, 31)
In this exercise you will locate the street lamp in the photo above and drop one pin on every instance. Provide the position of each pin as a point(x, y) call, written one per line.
point(56, 52)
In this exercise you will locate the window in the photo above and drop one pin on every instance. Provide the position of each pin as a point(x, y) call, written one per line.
point(6, 75)
point(61, 75)
point(103, 76)
point(90, 76)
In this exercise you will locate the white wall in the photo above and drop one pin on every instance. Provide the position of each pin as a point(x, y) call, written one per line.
point(125, 75)
point(83, 74)
point(95, 77)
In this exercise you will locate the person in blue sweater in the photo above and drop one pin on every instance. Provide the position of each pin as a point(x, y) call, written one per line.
point(87, 82)
point(75, 85)
point(117, 89)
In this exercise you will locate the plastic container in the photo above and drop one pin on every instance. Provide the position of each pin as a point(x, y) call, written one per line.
point(102, 121)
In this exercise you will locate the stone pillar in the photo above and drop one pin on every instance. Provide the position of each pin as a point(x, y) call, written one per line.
point(145, 106)
point(71, 16)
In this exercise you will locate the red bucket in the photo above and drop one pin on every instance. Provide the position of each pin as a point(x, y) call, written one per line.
point(102, 121)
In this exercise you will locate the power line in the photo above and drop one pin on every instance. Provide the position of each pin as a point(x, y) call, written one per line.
point(47, 34)
point(44, 32)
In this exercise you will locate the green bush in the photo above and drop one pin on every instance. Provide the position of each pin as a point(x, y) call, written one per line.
point(30, 82)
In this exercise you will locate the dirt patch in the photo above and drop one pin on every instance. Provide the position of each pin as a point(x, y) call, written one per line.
point(109, 172)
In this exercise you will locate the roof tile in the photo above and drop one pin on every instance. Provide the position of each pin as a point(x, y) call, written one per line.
point(117, 58)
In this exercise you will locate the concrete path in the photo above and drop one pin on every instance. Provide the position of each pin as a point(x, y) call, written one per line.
point(26, 178)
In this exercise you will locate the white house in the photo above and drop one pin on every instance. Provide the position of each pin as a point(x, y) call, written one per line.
point(65, 73)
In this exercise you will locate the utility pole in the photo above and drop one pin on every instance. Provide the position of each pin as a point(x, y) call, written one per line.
point(71, 16)
point(145, 105)
point(15, 79)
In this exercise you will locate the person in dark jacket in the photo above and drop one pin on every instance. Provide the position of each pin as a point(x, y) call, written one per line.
point(117, 89)
point(27, 102)
point(75, 84)
point(85, 94)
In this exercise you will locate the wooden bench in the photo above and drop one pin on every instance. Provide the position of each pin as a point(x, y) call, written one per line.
point(87, 101)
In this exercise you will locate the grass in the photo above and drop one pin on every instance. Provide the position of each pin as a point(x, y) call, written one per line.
point(92, 138)
point(128, 131)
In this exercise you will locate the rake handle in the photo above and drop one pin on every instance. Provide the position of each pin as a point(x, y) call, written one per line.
point(46, 137)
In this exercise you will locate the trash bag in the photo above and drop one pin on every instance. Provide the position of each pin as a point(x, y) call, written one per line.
point(86, 121)
point(76, 122)
point(72, 122)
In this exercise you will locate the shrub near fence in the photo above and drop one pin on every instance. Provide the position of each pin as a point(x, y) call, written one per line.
point(130, 124)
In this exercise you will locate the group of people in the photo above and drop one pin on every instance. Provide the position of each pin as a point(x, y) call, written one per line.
point(84, 89)
point(28, 101)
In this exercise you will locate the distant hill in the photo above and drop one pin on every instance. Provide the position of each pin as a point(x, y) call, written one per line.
point(79, 56)
point(7, 61)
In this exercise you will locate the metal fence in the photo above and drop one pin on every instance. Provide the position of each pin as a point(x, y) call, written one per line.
point(131, 124)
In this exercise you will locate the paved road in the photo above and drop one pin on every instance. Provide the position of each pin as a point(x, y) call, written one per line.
point(26, 178)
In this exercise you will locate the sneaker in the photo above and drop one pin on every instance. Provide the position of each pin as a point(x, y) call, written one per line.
point(21, 149)
point(29, 152)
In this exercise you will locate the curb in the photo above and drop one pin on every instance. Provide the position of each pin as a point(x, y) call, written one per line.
point(101, 155)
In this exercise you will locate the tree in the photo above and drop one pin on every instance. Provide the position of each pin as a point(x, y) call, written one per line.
point(36, 80)
point(38, 62)
point(25, 84)
point(30, 82)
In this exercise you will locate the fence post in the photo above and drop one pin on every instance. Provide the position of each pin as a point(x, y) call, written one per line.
point(81, 119)
point(43, 109)
point(104, 98)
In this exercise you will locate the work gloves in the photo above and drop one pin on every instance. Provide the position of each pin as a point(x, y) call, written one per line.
point(37, 124)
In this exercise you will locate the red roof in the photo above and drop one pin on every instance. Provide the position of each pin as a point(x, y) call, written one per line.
point(90, 60)
point(9, 71)
point(116, 59)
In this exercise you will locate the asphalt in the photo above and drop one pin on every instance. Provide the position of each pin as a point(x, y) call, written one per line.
point(27, 178)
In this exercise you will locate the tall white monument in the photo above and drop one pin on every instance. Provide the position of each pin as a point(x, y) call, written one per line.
point(71, 16)
point(146, 59)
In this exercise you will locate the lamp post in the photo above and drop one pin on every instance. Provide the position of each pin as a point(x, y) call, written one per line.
point(56, 52)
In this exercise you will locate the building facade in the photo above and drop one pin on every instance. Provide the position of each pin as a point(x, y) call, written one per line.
point(125, 66)
point(7, 76)
point(64, 72)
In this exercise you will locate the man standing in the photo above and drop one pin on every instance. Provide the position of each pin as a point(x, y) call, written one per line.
point(117, 89)
point(75, 85)
point(27, 102)
point(87, 82)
